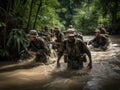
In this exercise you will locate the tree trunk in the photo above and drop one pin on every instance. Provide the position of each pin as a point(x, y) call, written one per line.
point(114, 16)
point(6, 22)
point(40, 4)
point(30, 14)
point(70, 11)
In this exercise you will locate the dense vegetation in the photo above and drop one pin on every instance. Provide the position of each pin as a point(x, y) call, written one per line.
point(17, 17)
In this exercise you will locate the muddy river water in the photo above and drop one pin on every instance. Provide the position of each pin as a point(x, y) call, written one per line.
point(25, 75)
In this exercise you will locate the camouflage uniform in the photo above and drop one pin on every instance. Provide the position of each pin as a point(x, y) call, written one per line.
point(103, 31)
point(75, 51)
point(58, 34)
point(59, 38)
point(40, 47)
point(69, 31)
point(100, 41)
point(45, 31)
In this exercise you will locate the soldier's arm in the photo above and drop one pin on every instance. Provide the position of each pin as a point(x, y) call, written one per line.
point(46, 48)
point(58, 60)
point(87, 51)
point(28, 49)
point(43, 47)
point(60, 54)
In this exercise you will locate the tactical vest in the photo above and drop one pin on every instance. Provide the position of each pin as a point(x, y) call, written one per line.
point(74, 49)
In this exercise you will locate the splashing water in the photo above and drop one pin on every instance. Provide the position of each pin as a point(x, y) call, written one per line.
point(105, 74)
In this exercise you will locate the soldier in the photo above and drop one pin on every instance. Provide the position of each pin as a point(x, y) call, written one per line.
point(103, 31)
point(58, 38)
point(38, 47)
point(75, 49)
point(100, 41)
point(45, 31)
point(71, 29)
point(58, 34)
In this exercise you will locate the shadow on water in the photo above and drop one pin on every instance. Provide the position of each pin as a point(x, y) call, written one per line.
point(17, 65)
point(69, 73)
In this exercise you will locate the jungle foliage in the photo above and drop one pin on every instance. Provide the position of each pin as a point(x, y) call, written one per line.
point(17, 17)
